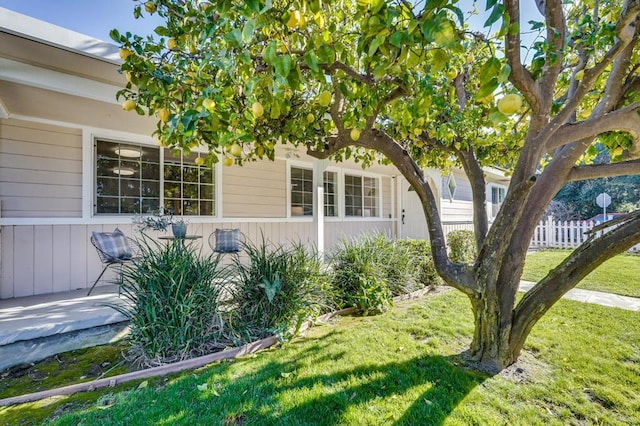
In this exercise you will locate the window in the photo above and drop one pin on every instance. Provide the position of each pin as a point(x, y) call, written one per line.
point(128, 181)
point(361, 196)
point(188, 188)
point(451, 186)
point(497, 197)
point(302, 192)
point(330, 194)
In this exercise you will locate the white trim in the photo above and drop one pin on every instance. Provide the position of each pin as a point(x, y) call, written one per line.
point(489, 189)
point(56, 81)
point(114, 220)
point(44, 32)
point(88, 173)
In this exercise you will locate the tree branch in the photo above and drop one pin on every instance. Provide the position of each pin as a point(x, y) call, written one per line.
point(625, 119)
point(591, 254)
point(595, 171)
point(520, 76)
point(337, 65)
point(556, 32)
point(479, 194)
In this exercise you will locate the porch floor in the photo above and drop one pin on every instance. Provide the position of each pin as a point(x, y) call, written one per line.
point(34, 327)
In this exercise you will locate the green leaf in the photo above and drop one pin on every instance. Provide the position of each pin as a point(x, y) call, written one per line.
point(161, 31)
point(497, 117)
point(270, 53)
point(375, 43)
point(496, 14)
point(253, 5)
point(376, 6)
point(115, 35)
point(326, 54)
point(536, 25)
point(490, 4)
point(283, 65)
point(487, 88)
point(396, 38)
point(456, 11)
point(503, 77)
point(247, 31)
point(311, 59)
point(489, 70)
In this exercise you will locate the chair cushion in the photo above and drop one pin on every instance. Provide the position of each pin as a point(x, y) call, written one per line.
point(227, 240)
point(113, 244)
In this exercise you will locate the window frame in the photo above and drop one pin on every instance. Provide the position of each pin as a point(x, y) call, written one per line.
point(217, 178)
point(309, 166)
point(378, 197)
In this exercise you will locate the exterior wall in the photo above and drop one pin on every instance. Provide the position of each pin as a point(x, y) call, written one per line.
point(460, 208)
point(41, 259)
point(387, 197)
point(40, 170)
point(255, 190)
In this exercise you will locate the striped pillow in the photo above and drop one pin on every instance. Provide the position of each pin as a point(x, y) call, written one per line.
point(227, 240)
point(113, 244)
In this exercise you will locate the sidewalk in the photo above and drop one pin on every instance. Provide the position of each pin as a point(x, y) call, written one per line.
point(595, 297)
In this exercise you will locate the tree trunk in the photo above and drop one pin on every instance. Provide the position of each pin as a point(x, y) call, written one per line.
point(491, 347)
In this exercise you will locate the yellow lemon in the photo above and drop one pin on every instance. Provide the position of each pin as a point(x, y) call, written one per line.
point(172, 44)
point(227, 161)
point(124, 54)
point(199, 161)
point(294, 19)
point(127, 76)
point(162, 114)
point(128, 105)
point(260, 151)
point(324, 98)
point(150, 7)
point(355, 134)
point(209, 104)
point(310, 118)
point(257, 109)
point(509, 104)
point(235, 150)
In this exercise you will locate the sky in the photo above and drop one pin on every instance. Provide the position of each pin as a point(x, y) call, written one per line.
point(97, 18)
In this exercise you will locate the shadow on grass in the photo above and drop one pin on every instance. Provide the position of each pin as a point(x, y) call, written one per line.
point(291, 387)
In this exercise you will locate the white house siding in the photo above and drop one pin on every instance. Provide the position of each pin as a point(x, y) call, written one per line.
point(41, 259)
point(460, 207)
point(255, 190)
point(40, 170)
point(387, 196)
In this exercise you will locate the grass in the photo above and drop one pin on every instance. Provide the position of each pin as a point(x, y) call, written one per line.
point(581, 366)
point(618, 275)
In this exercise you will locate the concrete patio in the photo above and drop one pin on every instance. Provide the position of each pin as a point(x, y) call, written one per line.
point(33, 328)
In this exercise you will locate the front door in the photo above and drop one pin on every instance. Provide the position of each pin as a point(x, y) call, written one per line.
point(413, 223)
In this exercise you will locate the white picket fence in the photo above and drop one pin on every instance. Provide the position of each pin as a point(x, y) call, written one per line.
point(568, 234)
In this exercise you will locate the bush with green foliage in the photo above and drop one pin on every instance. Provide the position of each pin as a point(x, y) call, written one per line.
point(462, 246)
point(173, 303)
point(370, 270)
point(275, 290)
point(420, 250)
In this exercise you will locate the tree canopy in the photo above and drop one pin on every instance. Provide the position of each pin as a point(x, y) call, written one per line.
point(410, 83)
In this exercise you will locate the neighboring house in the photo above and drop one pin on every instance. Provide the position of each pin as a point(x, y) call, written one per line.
point(599, 218)
point(72, 162)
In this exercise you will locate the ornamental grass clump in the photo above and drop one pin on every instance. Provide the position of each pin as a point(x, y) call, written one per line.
point(173, 303)
point(274, 289)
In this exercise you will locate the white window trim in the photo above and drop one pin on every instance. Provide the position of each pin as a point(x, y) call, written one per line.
point(451, 178)
point(309, 166)
point(90, 169)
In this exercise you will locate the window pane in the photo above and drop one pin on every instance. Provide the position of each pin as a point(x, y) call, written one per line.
point(150, 205)
point(206, 192)
point(190, 207)
point(301, 191)
point(172, 190)
point(119, 171)
point(353, 195)
point(172, 172)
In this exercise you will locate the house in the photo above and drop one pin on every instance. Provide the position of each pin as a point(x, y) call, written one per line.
point(600, 218)
point(72, 162)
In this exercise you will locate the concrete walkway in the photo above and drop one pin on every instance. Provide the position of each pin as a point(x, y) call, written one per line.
point(595, 297)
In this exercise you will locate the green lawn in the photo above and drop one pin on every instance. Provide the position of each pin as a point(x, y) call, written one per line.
point(582, 366)
point(619, 275)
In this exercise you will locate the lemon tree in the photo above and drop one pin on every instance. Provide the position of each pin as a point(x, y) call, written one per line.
point(409, 83)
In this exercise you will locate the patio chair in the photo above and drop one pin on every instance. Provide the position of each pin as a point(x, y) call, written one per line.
point(114, 248)
point(223, 241)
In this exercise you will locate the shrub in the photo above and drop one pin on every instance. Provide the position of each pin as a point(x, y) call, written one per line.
point(275, 290)
point(422, 259)
point(369, 271)
point(173, 300)
point(462, 246)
